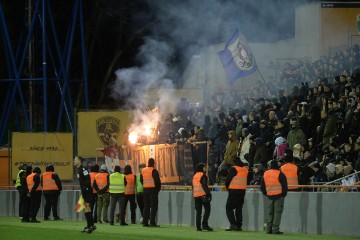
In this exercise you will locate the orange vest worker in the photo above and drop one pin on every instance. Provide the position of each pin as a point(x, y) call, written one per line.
point(290, 170)
point(272, 183)
point(240, 180)
point(92, 179)
point(148, 180)
point(198, 191)
point(130, 184)
point(48, 182)
point(30, 182)
point(101, 180)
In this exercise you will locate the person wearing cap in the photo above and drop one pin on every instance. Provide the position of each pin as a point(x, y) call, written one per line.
point(52, 188)
point(291, 172)
point(236, 181)
point(22, 171)
point(274, 186)
point(140, 192)
point(150, 179)
point(35, 190)
point(117, 191)
point(101, 185)
point(94, 170)
point(296, 135)
point(202, 197)
point(231, 149)
point(86, 193)
point(25, 191)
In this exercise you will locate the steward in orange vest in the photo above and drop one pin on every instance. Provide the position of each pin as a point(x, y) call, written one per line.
point(150, 179)
point(52, 187)
point(202, 198)
point(274, 186)
point(291, 172)
point(34, 187)
point(101, 185)
point(236, 182)
point(130, 180)
point(94, 170)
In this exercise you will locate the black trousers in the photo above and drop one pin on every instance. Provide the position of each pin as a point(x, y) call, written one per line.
point(235, 201)
point(51, 203)
point(22, 201)
point(94, 207)
point(151, 202)
point(26, 207)
point(130, 198)
point(35, 201)
point(140, 202)
point(199, 204)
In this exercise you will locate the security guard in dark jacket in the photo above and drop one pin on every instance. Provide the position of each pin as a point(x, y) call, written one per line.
point(52, 188)
point(87, 193)
point(235, 183)
point(202, 198)
point(151, 182)
point(274, 186)
point(25, 191)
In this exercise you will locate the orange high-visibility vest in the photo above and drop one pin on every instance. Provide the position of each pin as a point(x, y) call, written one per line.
point(101, 180)
point(198, 190)
point(240, 180)
point(30, 182)
point(48, 183)
point(272, 183)
point(92, 179)
point(130, 184)
point(148, 180)
point(290, 170)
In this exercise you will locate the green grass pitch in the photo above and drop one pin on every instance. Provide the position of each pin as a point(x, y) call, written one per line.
point(12, 229)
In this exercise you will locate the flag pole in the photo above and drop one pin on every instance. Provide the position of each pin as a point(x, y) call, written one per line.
point(263, 79)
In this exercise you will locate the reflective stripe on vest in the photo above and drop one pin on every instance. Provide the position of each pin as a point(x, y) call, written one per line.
point(198, 190)
point(240, 180)
point(48, 182)
point(30, 182)
point(117, 183)
point(290, 170)
point(18, 180)
point(92, 179)
point(139, 186)
point(148, 179)
point(101, 180)
point(272, 183)
point(130, 184)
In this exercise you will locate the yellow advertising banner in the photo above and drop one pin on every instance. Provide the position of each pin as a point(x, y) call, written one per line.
point(96, 128)
point(43, 149)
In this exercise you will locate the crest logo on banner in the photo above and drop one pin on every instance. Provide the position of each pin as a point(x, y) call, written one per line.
point(237, 58)
point(107, 127)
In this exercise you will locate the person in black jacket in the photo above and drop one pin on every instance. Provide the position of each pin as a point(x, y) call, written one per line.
point(25, 191)
point(52, 188)
point(202, 198)
point(274, 186)
point(83, 176)
point(151, 182)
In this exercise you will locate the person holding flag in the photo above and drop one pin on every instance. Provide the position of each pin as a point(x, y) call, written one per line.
point(86, 198)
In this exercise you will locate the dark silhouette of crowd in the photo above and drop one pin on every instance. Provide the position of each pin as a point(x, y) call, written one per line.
point(311, 112)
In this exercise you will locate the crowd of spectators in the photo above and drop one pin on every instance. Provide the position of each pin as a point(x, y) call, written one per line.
point(311, 112)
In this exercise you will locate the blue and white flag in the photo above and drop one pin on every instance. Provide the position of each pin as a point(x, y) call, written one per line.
point(237, 58)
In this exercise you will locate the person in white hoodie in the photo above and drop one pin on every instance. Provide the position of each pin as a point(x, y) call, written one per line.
point(244, 143)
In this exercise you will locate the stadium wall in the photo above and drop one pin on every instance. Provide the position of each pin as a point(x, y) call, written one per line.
point(304, 212)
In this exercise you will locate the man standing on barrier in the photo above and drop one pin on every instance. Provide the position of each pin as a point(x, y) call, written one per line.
point(86, 192)
point(150, 179)
point(236, 181)
point(274, 186)
point(202, 198)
